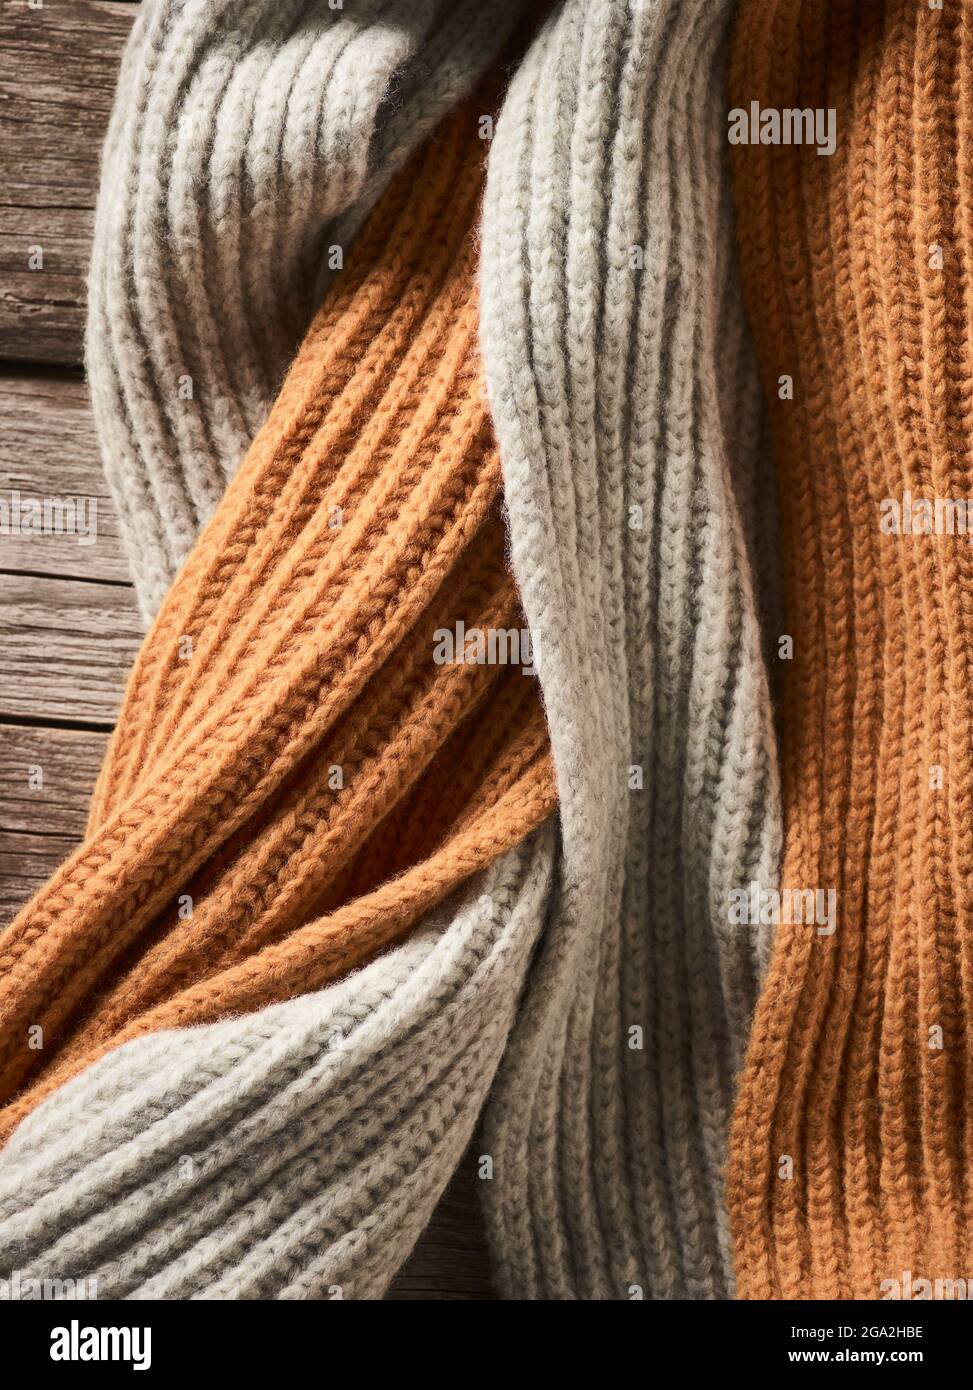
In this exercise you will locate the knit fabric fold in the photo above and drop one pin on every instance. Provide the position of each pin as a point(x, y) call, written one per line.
point(296, 1152)
point(627, 409)
point(296, 777)
point(849, 1159)
point(248, 141)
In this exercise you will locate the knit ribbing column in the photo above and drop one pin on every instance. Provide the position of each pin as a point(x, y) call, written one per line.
point(851, 1144)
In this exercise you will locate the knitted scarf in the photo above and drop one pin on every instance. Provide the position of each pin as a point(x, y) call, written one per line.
point(849, 1147)
point(595, 979)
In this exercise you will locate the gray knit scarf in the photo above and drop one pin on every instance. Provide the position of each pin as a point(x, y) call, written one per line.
point(588, 994)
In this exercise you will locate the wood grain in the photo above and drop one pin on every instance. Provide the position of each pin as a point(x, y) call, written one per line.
point(451, 1260)
point(48, 450)
point(46, 778)
point(58, 66)
point(26, 863)
point(66, 647)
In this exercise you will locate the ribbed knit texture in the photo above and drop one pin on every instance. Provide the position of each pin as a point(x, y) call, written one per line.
point(293, 1153)
point(616, 388)
point(847, 1076)
point(627, 408)
point(294, 780)
point(248, 141)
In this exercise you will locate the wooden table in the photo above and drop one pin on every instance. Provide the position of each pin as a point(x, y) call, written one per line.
point(69, 628)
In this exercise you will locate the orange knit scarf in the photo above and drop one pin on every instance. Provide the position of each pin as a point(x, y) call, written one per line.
point(853, 1138)
point(295, 779)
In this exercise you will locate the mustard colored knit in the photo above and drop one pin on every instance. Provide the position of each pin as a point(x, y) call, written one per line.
point(294, 780)
point(852, 1141)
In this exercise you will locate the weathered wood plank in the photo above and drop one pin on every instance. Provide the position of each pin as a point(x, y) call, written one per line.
point(58, 67)
point(66, 648)
point(48, 452)
point(42, 818)
point(26, 863)
point(46, 779)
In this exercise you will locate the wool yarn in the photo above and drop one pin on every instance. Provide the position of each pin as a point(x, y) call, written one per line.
point(295, 1152)
point(851, 1140)
point(248, 140)
point(627, 409)
point(295, 779)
